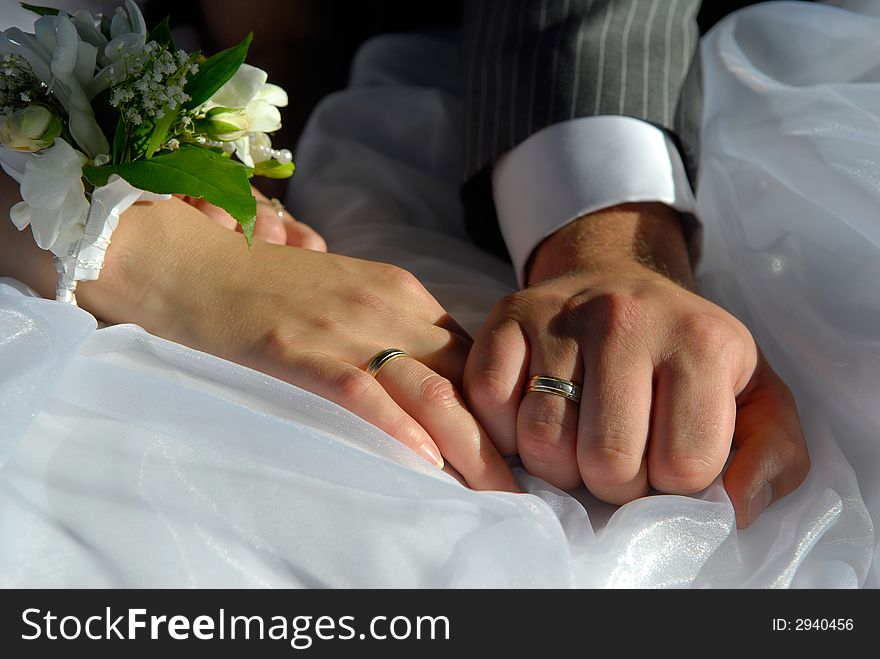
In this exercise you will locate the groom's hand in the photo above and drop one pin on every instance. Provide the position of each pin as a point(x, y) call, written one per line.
point(670, 381)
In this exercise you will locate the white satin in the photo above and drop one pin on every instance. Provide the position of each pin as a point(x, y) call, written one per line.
point(135, 461)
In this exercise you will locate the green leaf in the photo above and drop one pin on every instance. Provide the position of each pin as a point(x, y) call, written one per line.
point(37, 9)
point(139, 138)
point(274, 169)
point(105, 26)
point(214, 72)
point(194, 172)
point(160, 131)
point(161, 34)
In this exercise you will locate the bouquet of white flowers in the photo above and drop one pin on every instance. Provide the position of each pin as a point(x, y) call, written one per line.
point(97, 112)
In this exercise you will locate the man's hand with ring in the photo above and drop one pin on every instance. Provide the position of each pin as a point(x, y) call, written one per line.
point(670, 382)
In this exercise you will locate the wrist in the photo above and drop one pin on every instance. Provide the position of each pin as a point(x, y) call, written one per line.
point(162, 257)
point(624, 239)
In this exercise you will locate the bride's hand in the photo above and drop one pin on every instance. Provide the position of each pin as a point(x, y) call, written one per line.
point(274, 223)
point(311, 318)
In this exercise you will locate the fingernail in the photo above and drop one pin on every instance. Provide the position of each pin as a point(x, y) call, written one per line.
point(762, 495)
point(432, 453)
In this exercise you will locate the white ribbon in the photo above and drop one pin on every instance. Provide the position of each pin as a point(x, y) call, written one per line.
point(86, 258)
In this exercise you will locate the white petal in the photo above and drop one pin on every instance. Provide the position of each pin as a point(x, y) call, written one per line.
point(85, 25)
point(119, 25)
point(45, 28)
point(128, 43)
point(264, 118)
point(243, 151)
point(45, 224)
point(99, 83)
point(241, 87)
point(49, 175)
point(83, 127)
point(20, 214)
point(87, 54)
point(136, 18)
point(273, 94)
point(67, 49)
point(70, 229)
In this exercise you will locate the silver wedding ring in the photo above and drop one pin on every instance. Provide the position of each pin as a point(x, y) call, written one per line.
point(545, 384)
point(382, 358)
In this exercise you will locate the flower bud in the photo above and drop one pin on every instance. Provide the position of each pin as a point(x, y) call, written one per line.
point(226, 124)
point(30, 129)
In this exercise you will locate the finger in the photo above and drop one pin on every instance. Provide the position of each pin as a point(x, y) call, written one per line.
point(449, 469)
point(771, 458)
point(494, 379)
point(546, 424)
point(615, 420)
point(269, 227)
point(692, 426)
point(446, 356)
point(272, 217)
point(358, 392)
point(449, 323)
point(302, 235)
point(215, 213)
point(436, 405)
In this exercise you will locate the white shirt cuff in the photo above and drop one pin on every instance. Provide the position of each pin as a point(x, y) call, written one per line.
point(581, 166)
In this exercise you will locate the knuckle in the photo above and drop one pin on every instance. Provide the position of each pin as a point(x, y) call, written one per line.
point(545, 435)
point(520, 306)
point(279, 342)
point(609, 462)
point(326, 323)
point(437, 392)
point(363, 298)
point(708, 338)
point(795, 457)
point(353, 384)
point(487, 389)
point(783, 397)
point(616, 315)
point(512, 303)
point(400, 279)
point(682, 474)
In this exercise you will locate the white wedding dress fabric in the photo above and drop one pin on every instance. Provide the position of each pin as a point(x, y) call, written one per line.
point(128, 460)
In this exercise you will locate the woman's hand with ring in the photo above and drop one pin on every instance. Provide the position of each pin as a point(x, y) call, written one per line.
point(310, 318)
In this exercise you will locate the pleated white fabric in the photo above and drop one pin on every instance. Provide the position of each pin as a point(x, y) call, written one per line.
point(129, 460)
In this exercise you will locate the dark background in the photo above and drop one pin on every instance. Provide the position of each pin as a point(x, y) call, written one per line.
point(320, 37)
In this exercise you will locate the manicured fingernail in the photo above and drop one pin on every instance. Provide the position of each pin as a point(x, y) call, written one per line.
point(432, 453)
point(762, 495)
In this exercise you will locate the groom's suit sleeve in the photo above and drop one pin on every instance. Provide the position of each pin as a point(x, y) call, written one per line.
point(573, 106)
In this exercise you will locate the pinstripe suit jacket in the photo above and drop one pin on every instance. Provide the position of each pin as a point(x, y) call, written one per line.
point(533, 63)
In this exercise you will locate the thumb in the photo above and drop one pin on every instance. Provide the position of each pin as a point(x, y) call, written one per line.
point(771, 459)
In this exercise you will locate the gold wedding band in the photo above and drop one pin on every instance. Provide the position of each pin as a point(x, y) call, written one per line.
point(382, 358)
point(544, 384)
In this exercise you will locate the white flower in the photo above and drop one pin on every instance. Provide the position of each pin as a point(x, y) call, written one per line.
point(55, 204)
point(66, 64)
point(226, 125)
point(31, 128)
point(128, 32)
point(260, 147)
point(259, 101)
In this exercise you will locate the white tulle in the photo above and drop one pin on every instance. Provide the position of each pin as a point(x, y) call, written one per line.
point(130, 460)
